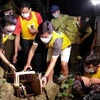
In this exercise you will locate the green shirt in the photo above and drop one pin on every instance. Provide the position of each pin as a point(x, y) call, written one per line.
point(56, 22)
point(71, 29)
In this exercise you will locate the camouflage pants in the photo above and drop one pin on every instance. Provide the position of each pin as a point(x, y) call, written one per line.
point(80, 89)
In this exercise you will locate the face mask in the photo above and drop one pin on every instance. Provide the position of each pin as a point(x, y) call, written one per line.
point(90, 71)
point(55, 15)
point(46, 40)
point(26, 15)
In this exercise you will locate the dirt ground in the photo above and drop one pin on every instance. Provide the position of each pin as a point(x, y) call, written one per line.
point(7, 90)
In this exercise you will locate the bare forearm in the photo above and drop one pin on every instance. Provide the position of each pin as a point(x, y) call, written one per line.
point(84, 37)
point(31, 54)
point(51, 66)
point(95, 80)
point(94, 40)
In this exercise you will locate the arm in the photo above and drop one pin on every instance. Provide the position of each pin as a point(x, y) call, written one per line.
point(56, 52)
point(17, 43)
point(94, 40)
point(89, 31)
point(39, 17)
point(17, 39)
point(95, 80)
point(17, 33)
point(51, 66)
point(30, 56)
point(85, 80)
point(40, 20)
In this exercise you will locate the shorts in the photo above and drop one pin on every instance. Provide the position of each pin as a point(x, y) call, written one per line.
point(65, 54)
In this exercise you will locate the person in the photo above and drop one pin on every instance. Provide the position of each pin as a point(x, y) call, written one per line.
point(7, 27)
point(8, 9)
point(57, 43)
point(96, 42)
point(88, 81)
point(26, 30)
point(58, 17)
point(56, 21)
point(8, 41)
point(77, 29)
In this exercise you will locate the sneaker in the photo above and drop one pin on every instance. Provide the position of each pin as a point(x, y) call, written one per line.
point(61, 78)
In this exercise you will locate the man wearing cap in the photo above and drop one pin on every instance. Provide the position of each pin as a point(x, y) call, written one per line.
point(77, 29)
point(56, 21)
point(58, 18)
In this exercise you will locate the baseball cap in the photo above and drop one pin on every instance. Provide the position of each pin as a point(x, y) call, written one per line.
point(7, 7)
point(54, 8)
point(85, 19)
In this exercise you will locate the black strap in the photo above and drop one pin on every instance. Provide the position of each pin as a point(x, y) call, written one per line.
point(46, 94)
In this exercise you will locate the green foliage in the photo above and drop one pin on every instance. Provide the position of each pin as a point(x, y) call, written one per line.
point(3, 81)
point(65, 88)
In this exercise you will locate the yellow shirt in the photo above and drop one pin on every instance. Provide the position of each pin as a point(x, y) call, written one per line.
point(25, 27)
point(56, 35)
point(95, 75)
point(7, 37)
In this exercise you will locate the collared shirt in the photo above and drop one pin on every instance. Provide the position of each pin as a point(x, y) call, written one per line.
point(69, 26)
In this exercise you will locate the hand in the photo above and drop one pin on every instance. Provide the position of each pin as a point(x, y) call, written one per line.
point(44, 81)
point(15, 58)
point(12, 68)
point(26, 67)
point(86, 81)
point(33, 31)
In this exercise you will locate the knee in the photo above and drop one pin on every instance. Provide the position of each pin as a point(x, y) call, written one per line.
point(64, 65)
